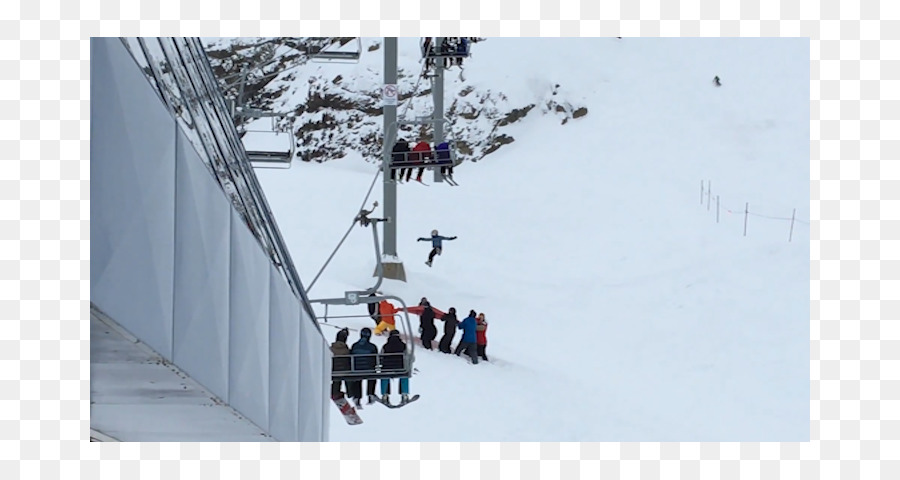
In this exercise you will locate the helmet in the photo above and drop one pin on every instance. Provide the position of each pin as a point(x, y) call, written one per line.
point(365, 332)
point(395, 333)
point(342, 335)
point(434, 232)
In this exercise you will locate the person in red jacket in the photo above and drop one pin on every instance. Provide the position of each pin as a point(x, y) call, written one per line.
point(387, 310)
point(481, 336)
point(421, 154)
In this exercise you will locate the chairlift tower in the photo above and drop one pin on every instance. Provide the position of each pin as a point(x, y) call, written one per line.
point(392, 266)
point(437, 92)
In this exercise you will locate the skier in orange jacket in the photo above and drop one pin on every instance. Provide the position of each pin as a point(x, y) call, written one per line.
point(387, 310)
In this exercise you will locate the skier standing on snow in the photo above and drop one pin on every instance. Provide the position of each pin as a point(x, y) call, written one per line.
point(365, 353)
point(426, 321)
point(373, 308)
point(393, 360)
point(340, 362)
point(436, 244)
point(481, 336)
point(469, 339)
point(450, 323)
point(422, 303)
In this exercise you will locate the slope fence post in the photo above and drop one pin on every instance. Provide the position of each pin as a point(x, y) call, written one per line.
point(793, 216)
point(746, 214)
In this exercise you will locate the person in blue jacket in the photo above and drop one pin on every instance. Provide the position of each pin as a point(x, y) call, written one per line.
point(436, 244)
point(365, 356)
point(442, 150)
point(462, 50)
point(469, 338)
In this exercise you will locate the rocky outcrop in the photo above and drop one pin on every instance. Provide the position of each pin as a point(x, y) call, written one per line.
point(340, 114)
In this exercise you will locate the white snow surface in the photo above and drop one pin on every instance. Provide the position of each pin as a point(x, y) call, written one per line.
point(618, 308)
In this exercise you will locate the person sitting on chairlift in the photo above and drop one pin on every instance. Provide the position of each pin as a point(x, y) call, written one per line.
point(423, 157)
point(446, 50)
point(442, 154)
point(340, 362)
point(399, 155)
point(428, 52)
point(364, 359)
point(392, 359)
point(462, 50)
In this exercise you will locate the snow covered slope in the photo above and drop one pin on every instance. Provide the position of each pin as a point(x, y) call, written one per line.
point(619, 309)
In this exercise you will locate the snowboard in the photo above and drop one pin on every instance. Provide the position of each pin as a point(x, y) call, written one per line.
point(347, 411)
point(389, 405)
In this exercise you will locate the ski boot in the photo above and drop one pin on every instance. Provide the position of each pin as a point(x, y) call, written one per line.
point(356, 401)
point(386, 399)
point(371, 399)
point(404, 399)
point(428, 262)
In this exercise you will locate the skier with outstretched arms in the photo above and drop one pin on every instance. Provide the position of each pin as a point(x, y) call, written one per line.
point(436, 244)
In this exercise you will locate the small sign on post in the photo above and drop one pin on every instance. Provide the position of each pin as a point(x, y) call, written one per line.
point(389, 94)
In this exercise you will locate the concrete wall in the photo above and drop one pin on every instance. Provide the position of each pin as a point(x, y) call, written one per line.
point(173, 263)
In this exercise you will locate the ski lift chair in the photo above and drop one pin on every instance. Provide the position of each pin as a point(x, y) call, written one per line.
point(357, 298)
point(269, 148)
point(379, 371)
point(338, 56)
point(454, 51)
point(434, 159)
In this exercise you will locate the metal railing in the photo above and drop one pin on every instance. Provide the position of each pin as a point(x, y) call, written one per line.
point(423, 158)
point(354, 372)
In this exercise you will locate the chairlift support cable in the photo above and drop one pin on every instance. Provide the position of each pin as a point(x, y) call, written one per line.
point(413, 95)
point(363, 206)
point(358, 297)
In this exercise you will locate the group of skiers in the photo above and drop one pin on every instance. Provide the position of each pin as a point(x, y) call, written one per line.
point(364, 354)
point(474, 327)
point(420, 155)
point(452, 50)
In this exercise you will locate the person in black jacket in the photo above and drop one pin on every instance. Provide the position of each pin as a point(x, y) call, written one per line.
point(373, 310)
point(365, 355)
point(395, 349)
point(426, 320)
point(450, 323)
point(400, 154)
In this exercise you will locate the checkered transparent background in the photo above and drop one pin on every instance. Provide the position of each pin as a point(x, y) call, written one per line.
point(44, 232)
